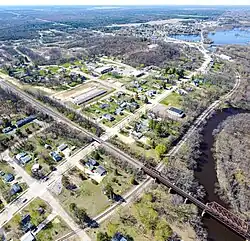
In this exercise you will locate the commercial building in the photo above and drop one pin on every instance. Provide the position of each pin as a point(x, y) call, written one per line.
point(87, 96)
point(176, 112)
point(104, 69)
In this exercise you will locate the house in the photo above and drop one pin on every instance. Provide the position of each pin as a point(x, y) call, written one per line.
point(24, 160)
point(28, 237)
point(118, 111)
point(118, 237)
point(20, 155)
point(119, 94)
point(26, 224)
point(101, 170)
point(151, 93)
point(104, 69)
point(25, 121)
point(16, 188)
point(9, 177)
point(123, 104)
point(35, 167)
point(62, 147)
point(137, 135)
point(108, 117)
point(182, 92)
point(104, 106)
point(91, 164)
point(176, 112)
point(56, 156)
point(7, 129)
point(47, 146)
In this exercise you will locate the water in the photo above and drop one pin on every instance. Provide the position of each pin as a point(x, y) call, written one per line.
point(206, 175)
point(187, 37)
point(234, 36)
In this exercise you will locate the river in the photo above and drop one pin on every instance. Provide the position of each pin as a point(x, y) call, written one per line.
point(206, 174)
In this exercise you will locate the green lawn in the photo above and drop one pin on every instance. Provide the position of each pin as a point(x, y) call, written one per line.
point(54, 230)
point(12, 228)
point(173, 99)
point(87, 195)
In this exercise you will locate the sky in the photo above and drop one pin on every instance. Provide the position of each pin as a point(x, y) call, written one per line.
point(124, 2)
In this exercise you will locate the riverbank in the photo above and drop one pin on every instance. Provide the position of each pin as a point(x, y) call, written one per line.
point(206, 174)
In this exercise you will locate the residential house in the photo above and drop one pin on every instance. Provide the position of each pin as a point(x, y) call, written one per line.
point(118, 237)
point(91, 164)
point(151, 93)
point(56, 156)
point(9, 177)
point(138, 73)
point(182, 92)
point(28, 237)
point(101, 170)
point(104, 106)
point(16, 188)
point(123, 104)
point(20, 155)
point(62, 147)
point(26, 224)
point(108, 117)
point(24, 160)
point(118, 111)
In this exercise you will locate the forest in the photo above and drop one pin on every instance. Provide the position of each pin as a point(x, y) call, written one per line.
point(232, 153)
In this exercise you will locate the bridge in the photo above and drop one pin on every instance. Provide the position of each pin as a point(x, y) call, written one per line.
point(214, 209)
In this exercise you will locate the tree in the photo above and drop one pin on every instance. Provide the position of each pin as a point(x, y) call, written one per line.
point(146, 100)
point(102, 237)
point(109, 191)
point(160, 150)
point(163, 231)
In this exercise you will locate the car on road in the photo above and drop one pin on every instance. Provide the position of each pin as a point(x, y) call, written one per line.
point(25, 200)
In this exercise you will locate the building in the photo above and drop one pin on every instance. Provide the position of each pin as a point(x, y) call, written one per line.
point(104, 106)
point(25, 121)
point(7, 130)
point(9, 177)
point(138, 73)
point(108, 117)
point(25, 223)
point(118, 111)
point(87, 96)
point(62, 147)
point(91, 164)
point(28, 237)
point(16, 188)
point(101, 170)
point(118, 237)
point(20, 155)
point(24, 160)
point(104, 69)
point(176, 112)
point(56, 157)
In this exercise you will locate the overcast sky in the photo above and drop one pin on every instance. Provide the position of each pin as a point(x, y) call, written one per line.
point(124, 2)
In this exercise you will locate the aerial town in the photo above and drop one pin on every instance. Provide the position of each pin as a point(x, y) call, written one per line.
point(124, 126)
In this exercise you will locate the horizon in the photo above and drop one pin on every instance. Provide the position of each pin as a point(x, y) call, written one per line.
point(117, 3)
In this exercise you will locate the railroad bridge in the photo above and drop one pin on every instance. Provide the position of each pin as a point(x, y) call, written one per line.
point(214, 209)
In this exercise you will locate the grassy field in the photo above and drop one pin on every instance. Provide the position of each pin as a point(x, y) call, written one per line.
point(173, 99)
point(87, 195)
point(54, 230)
point(13, 229)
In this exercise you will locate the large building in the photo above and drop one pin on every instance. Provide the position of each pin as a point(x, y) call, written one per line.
point(176, 112)
point(80, 99)
point(104, 69)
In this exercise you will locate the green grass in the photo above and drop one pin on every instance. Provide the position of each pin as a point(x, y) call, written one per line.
point(88, 196)
point(54, 230)
point(13, 229)
point(173, 99)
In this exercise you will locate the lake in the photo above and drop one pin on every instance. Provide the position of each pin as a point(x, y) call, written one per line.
point(233, 36)
point(187, 37)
